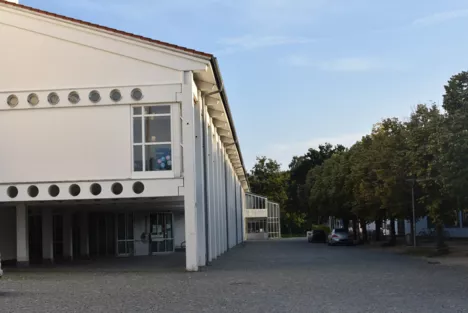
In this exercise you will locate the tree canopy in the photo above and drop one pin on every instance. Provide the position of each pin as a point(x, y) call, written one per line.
point(373, 179)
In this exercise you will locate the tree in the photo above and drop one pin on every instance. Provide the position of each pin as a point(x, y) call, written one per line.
point(267, 179)
point(299, 169)
point(425, 140)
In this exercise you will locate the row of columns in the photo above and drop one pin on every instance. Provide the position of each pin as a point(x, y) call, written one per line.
point(22, 235)
point(212, 197)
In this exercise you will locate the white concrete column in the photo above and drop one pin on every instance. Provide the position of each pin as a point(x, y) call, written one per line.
point(22, 235)
point(200, 183)
point(190, 205)
point(84, 235)
point(67, 235)
point(209, 187)
point(47, 236)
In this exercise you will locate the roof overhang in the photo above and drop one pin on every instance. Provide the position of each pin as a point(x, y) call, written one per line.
point(212, 86)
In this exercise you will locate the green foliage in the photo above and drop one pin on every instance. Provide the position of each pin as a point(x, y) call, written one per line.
point(373, 179)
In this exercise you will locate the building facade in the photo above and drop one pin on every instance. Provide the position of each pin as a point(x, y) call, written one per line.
point(113, 144)
point(262, 218)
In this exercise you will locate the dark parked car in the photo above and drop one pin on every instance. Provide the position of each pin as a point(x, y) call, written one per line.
point(317, 235)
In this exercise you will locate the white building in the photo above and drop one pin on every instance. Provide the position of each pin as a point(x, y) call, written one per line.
point(262, 218)
point(112, 144)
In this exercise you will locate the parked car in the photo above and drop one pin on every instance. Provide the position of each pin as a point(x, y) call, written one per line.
point(317, 235)
point(339, 236)
point(1, 271)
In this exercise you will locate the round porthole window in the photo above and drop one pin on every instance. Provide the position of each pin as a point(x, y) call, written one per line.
point(54, 190)
point(117, 188)
point(53, 98)
point(137, 95)
point(115, 95)
point(33, 191)
point(95, 189)
point(12, 192)
point(138, 187)
point(73, 97)
point(33, 99)
point(94, 96)
point(74, 190)
point(12, 101)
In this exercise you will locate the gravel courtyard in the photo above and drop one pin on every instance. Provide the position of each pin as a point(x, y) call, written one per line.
point(274, 276)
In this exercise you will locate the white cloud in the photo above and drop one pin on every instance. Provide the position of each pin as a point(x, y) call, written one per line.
point(440, 17)
point(283, 152)
point(348, 64)
point(251, 42)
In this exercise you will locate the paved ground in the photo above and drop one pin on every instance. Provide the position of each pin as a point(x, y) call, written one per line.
point(276, 276)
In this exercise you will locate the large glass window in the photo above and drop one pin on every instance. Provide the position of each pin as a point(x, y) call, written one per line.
point(152, 137)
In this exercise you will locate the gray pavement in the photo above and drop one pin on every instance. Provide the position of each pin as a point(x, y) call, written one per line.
point(274, 276)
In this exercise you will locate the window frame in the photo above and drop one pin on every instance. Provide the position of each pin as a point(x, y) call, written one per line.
point(143, 144)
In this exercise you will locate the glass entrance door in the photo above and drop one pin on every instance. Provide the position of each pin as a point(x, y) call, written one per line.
point(161, 233)
point(125, 240)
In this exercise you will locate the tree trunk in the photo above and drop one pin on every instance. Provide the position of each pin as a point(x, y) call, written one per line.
point(392, 241)
point(441, 247)
point(412, 229)
point(364, 230)
point(378, 227)
point(355, 229)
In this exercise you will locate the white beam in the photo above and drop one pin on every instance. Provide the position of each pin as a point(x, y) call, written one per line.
point(216, 114)
point(212, 102)
point(223, 132)
point(205, 86)
point(220, 124)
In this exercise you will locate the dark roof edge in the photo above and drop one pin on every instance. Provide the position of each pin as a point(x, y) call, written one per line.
point(220, 84)
point(109, 29)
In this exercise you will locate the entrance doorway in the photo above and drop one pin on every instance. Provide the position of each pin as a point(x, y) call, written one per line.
point(161, 232)
point(102, 234)
point(125, 240)
point(35, 238)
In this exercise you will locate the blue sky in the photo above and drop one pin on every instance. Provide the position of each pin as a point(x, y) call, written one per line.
point(302, 72)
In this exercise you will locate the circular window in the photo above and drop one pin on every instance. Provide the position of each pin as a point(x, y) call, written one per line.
point(74, 190)
point(115, 95)
point(95, 189)
point(12, 192)
point(117, 188)
point(138, 187)
point(54, 190)
point(33, 99)
point(74, 97)
point(33, 191)
point(53, 98)
point(137, 95)
point(12, 101)
point(94, 96)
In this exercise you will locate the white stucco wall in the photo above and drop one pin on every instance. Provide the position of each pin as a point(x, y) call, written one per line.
point(63, 144)
point(35, 61)
point(8, 233)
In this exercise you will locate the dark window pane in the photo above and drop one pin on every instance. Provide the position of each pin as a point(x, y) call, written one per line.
point(137, 158)
point(137, 136)
point(130, 248)
point(158, 158)
point(137, 111)
point(122, 247)
point(158, 129)
point(158, 109)
point(121, 227)
point(130, 226)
